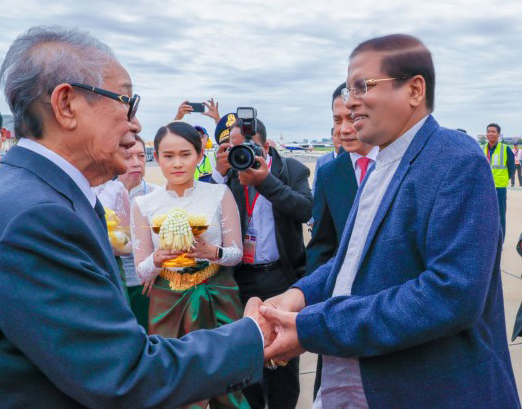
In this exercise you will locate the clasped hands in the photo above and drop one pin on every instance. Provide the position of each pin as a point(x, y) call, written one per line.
point(277, 319)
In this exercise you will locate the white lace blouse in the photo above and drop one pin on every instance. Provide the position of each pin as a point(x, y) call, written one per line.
point(214, 201)
point(113, 195)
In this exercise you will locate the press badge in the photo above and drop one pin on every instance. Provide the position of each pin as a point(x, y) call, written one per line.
point(249, 246)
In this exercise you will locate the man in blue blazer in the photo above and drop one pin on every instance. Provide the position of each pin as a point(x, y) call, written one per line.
point(336, 186)
point(330, 156)
point(410, 311)
point(67, 336)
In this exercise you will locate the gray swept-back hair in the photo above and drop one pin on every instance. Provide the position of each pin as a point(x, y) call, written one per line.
point(41, 59)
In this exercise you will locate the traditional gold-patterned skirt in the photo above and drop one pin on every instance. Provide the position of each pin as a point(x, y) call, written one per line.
point(210, 304)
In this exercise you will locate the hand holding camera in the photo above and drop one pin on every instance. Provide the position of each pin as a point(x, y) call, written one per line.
point(222, 164)
point(242, 157)
point(254, 176)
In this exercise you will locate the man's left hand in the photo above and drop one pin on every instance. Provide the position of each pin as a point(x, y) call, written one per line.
point(286, 345)
point(254, 177)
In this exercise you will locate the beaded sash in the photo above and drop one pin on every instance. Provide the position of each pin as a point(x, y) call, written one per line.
point(180, 282)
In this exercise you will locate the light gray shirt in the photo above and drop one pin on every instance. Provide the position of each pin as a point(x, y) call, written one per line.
point(341, 384)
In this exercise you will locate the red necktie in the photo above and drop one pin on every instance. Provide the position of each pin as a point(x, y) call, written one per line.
point(363, 165)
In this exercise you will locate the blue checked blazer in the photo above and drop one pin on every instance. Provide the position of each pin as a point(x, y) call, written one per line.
point(426, 314)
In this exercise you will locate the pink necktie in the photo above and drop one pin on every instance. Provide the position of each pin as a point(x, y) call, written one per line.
point(363, 165)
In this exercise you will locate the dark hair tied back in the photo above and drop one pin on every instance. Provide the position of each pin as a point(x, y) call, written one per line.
point(181, 129)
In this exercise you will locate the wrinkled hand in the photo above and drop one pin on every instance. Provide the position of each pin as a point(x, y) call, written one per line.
point(183, 109)
point(222, 165)
point(254, 177)
point(286, 344)
point(212, 110)
point(292, 300)
point(161, 256)
point(202, 250)
point(252, 310)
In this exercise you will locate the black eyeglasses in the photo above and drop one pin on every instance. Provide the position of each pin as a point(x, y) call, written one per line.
point(132, 101)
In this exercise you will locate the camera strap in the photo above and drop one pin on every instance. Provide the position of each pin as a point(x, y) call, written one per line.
point(250, 207)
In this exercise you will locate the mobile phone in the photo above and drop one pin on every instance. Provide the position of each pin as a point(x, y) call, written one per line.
point(197, 107)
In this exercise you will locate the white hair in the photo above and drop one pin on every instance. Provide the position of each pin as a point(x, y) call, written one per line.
point(41, 59)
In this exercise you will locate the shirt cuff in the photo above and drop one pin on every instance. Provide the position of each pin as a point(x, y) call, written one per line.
point(220, 179)
point(260, 332)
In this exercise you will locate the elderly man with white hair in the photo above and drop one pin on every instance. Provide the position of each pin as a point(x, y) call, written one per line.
point(67, 337)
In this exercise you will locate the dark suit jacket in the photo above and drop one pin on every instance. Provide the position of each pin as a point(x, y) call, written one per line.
point(335, 192)
point(67, 337)
point(426, 314)
point(286, 187)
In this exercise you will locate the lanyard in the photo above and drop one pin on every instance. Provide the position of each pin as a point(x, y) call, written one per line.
point(250, 208)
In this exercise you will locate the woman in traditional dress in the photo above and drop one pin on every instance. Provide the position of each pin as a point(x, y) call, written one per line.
point(201, 298)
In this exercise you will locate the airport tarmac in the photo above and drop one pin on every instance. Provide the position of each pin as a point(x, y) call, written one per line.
point(511, 282)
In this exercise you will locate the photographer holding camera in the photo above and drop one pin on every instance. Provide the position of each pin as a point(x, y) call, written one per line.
point(274, 200)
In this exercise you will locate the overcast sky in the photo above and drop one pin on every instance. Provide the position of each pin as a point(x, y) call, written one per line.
point(286, 58)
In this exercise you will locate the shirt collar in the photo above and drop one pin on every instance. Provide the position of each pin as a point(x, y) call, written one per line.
point(354, 156)
point(63, 164)
point(396, 150)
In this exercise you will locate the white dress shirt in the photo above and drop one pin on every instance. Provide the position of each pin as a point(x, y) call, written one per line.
point(63, 164)
point(341, 384)
point(262, 223)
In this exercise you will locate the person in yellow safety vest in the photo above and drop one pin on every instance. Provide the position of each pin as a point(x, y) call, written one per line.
point(205, 167)
point(502, 163)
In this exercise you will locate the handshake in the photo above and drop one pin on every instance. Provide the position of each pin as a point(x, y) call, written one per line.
point(277, 318)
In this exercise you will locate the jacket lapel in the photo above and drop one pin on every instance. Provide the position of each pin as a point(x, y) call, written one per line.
point(55, 177)
point(416, 146)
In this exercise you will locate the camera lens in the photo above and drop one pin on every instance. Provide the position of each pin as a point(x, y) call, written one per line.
point(241, 157)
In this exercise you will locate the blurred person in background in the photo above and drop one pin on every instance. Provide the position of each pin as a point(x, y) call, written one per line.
point(502, 162)
point(517, 153)
point(274, 201)
point(206, 165)
point(134, 182)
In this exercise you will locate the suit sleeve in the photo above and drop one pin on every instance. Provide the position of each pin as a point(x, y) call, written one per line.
point(313, 286)
point(323, 244)
point(67, 316)
point(447, 297)
point(295, 200)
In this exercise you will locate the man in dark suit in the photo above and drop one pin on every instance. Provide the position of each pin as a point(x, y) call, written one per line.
point(407, 314)
point(330, 156)
point(337, 183)
point(274, 201)
point(67, 336)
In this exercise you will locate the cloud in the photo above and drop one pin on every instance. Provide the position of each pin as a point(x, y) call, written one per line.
point(286, 58)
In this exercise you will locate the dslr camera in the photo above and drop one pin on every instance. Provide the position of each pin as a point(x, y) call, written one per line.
point(242, 157)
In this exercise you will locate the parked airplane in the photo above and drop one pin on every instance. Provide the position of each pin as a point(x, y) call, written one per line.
point(298, 147)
